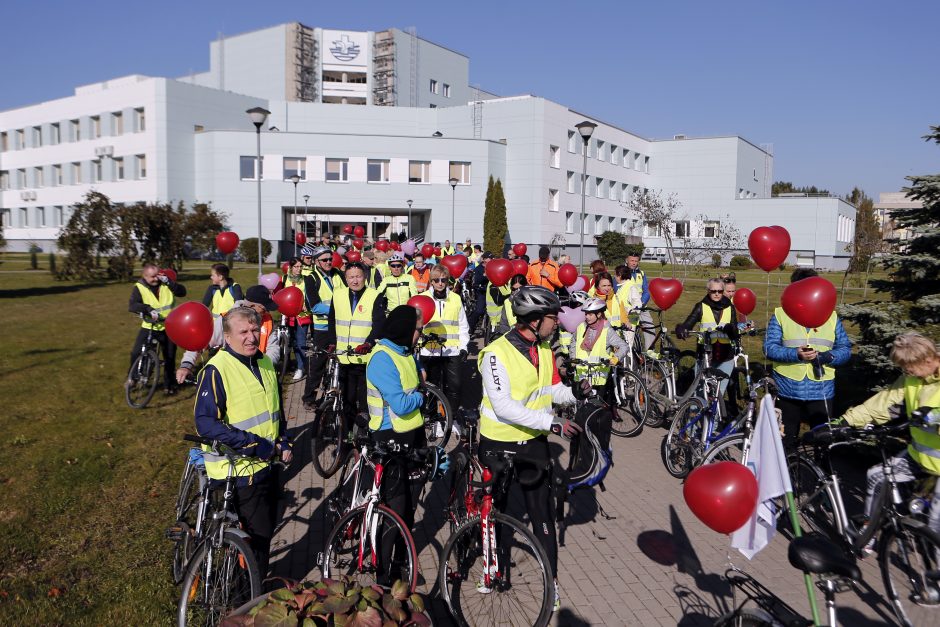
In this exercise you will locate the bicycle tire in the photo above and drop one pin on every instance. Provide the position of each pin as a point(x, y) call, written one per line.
point(681, 445)
point(340, 558)
point(811, 497)
point(746, 617)
point(235, 581)
point(461, 568)
point(914, 594)
point(656, 380)
point(728, 449)
point(685, 370)
point(441, 416)
point(144, 375)
point(329, 437)
point(284, 351)
point(187, 502)
point(629, 415)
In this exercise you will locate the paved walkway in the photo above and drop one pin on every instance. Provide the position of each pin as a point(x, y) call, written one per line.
point(632, 555)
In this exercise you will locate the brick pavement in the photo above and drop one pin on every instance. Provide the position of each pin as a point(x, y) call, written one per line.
point(648, 561)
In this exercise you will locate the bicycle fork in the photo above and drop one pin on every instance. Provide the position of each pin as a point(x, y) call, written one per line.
point(490, 559)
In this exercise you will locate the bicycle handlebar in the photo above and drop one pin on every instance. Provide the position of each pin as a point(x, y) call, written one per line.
point(500, 461)
point(825, 435)
point(225, 450)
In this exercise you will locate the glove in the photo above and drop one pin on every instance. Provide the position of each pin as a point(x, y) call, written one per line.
point(582, 389)
point(681, 332)
point(567, 429)
point(331, 348)
point(154, 315)
point(363, 349)
point(163, 278)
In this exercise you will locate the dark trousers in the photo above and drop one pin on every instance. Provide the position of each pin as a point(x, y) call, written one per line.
point(168, 349)
point(255, 506)
point(446, 369)
point(539, 498)
point(353, 381)
point(794, 412)
point(474, 318)
point(318, 340)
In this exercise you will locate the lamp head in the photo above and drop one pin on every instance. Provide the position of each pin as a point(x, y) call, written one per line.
point(294, 178)
point(258, 115)
point(586, 129)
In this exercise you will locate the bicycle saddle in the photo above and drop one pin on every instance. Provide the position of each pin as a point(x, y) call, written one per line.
point(718, 374)
point(814, 553)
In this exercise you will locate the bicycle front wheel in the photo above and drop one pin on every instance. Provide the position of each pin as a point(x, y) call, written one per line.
point(632, 405)
point(682, 446)
point(811, 497)
point(439, 421)
point(909, 557)
point(188, 502)
point(727, 449)
point(521, 590)
point(656, 380)
point(218, 580)
point(329, 437)
point(141, 380)
point(387, 555)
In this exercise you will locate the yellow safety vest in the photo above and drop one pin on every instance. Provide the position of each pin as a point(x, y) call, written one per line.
point(447, 251)
point(925, 441)
point(398, 289)
point(626, 284)
point(300, 284)
point(306, 270)
point(796, 335)
point(222, 301)
point(492, 309)
point(325, 293)
point(162, 305)
point(507, 311)
point(564, 339)
point(447, 326)
point(408, 373)
point(251, 406)
point(352, 327)
point(598, 354)
point(530, 386)
point(707, 323)
point(370, 277)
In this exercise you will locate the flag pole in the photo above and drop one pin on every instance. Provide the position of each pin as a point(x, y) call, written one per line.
point(807, 578)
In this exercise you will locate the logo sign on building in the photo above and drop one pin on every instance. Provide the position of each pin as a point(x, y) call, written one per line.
point(345, 48)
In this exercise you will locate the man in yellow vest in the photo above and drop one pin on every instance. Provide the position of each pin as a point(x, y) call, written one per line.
point(355, 320)
point(520, 383)
point(634, 278)
point(804, 366)
point(917, 393)
point(238, 403)
point(398, 286)
point(154, 297)
point(318, 295)
point(373, 275)
point(222, 292)
point(447, 248)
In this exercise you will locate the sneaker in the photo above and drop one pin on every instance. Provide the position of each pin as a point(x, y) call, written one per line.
point(298, 375)
point(557, 605)
point(438, 431)
point(455, 429)
point(482, 588)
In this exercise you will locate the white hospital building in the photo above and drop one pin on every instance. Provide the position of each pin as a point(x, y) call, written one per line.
point(377, 124)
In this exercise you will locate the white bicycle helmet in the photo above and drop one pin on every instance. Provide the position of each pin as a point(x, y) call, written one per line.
point(307, 251)
point(397, 257)
point(534, 300)
point(594, 305)
point(579, 297)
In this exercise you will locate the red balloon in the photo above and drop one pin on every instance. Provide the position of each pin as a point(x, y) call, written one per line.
point(721, 495)
point(745, 301)
point(226, 242)
point(190, 326)
point(359, 231)
point(498, 271)
point(290, 301)
point(456, 264)
point(519, 249)
point(358, 243)
point(665, 292)
point(809, 302)
point(424, 304)
point(395, 246)
point(347, 229)
point(285, 267)
point(769, 246)
point(301, 239)
point(427, 250)
point(337, 260)
point(169, 273)
point(519, 266)
point(437, 251)
point(353, 255)
point(382, 245)
point(567, 274)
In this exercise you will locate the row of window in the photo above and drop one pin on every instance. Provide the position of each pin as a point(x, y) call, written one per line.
point(437, 88)
point(337, 170)
point(38, 137)
point(596, 225)
point(76, 173)
point(36, 217)
point(602, 151)
point(598, 187)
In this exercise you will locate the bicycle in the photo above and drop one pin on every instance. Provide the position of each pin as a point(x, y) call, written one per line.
point(736, 446)
point(222, 573)
point(629, 407)
point(493, 571)
point(144, 373)
point(908, 550)
point(330, 430)
point(285, 344)
point(438, 413)
point(191, 503)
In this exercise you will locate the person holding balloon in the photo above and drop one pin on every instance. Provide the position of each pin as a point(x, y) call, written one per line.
point(153, 297)
point(318, 296)
point(543, 272)
point(805, 357)
point(398, 286)
point(593, 341)
point(222, 293)
point(300, 322)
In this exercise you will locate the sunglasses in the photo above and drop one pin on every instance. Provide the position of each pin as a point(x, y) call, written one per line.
point(438, 280)
point(716, 291)
point(395, 265)
point(325, 260)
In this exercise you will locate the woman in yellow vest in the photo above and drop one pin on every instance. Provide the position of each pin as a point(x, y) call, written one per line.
point(594, 341)
point(917, 390)
point(397, 286)
point(221, 295)
point(153, 298)
point(300, 322)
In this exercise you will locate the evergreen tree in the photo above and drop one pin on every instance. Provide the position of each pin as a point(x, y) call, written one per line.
point(914, 282)
point(495, 227)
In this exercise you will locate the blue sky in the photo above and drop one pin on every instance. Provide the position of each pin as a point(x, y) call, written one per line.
point(843, 90)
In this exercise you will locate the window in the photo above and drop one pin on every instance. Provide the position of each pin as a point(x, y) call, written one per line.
point(4, 179)
point(247, 170)
point(446, 90)
point(682, 228)
point(434, 87)
point(599, 224)
point(96, 171)
point(554, 156)
point(569, 222)
point(59, 215)
point(24, 216)
point(295, 165)
point(572, 142)
point(419, 171)
point(637, 161)
point(432, 106)
point(627, 158)
point(586, 225)
point(614, 154)
point(142, 166)
point(710, 228)
point(646, 165)
point(95, 126)
point(38, 178)
point(601, 151)
point(76, 130)
point(4, 142)
point(553, 200)
point(119, 168)
point(5, 218)
point(599, 187)
point(460, 170)
point(651, 229)
point(21, 178)
point(76, 173)
point(337, 170)
point(612, 191)
point(624, 193)
point(572, 182)
point(40, 216)
point(20, 139)
point(141, 120)
point(377, 170)
point(117, 123)
point(37, 137)
point(55, 134)
point(740, 192)
point(57, 174)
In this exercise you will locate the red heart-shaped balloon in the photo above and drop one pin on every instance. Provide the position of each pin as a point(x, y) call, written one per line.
point(769, 246)
point(382, 245)
point(722, 495)
point(347, 229)
point(809, 302)
point(665, 292)
point(745, 301)
point(498, 271)
point(519, 266)
point(359, 231)
point(226, 242)
point(353, 256)
point(290, 301)
point(519, 249)
point(190, 326)
point(567, 274)
point(425, 305)
point(359, 243)
point(427, 250)
point(456, 264)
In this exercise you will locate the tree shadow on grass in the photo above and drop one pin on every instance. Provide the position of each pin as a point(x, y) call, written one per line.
point(49, 290)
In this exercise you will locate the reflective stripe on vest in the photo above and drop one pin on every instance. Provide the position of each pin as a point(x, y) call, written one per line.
point(162, 305)
point(597, 354)
point(301, 285)
point(613, 312)
point(408, 373)
point(398, 289)
point(250, 406)
point(492, 309)
point(222, 301)
point(531, 387)
point(796, 335)
point(352, 327)
point(325, 292)
point(707, 323)
point(925, 441)
point(446, 326)
point(564, 340)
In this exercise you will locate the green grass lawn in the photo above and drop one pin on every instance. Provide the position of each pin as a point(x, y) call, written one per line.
point(88, 484)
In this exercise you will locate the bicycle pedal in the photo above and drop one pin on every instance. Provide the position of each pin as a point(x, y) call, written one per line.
point(174, 534)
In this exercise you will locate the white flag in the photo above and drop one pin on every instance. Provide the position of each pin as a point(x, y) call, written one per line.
point(768, 462)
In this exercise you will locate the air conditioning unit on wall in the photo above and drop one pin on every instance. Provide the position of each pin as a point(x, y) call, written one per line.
point(104, 151)
point(28, 195)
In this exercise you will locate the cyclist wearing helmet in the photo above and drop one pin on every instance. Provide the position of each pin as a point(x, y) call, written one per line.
point(318, 293)
point(520, 383)
point(306, 258)
point(508, 319)
point(594, 340)
point(398, 286)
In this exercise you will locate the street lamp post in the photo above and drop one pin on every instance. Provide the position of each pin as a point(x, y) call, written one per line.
point(306, 198)
point(409, 201)
point(295, 179)
point(258, 115)
point(453, 192)
point(586, 129)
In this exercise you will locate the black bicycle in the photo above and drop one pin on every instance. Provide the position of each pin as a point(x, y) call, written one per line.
point(144, 374)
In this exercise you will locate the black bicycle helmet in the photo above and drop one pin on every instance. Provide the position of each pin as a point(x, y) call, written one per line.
point(532, 301)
